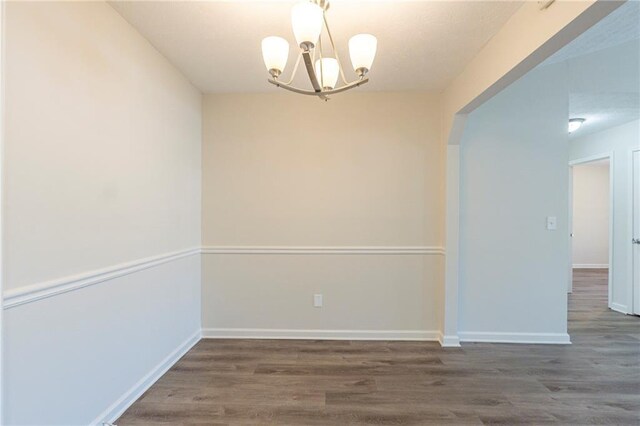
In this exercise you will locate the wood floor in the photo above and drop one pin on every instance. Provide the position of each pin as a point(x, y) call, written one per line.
point(594, 381)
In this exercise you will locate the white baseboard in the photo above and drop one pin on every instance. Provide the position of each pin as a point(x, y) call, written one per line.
point(619, 308)
point(590, 266)
point(268, 333)
point(451, 341)
point(499, 337)
point(112, 413)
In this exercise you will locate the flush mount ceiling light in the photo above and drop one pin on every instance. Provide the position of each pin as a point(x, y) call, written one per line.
point(575, 123)
point(308, 19)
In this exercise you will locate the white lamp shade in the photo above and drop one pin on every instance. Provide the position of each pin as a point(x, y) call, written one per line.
point(328, 73)
point(362, 49)
point(306, 20)
point(275, 51)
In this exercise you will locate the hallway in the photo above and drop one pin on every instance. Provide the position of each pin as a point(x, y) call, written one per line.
point(596, 380)
point(591, 322)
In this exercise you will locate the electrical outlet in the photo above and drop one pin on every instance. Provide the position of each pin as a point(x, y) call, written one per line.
point(317, 301)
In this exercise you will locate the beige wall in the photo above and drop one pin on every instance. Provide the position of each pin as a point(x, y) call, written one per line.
point(101, 168)
point(102, 160)
point(364, 169)
point(361, 169)
point(591, 215)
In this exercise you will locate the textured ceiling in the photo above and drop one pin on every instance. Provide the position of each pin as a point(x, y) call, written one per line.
point(422, 45)
point(604, 71)
point(621, 26)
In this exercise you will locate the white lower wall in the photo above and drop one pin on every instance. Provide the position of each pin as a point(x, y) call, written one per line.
point(377, 296)
point(72, 357)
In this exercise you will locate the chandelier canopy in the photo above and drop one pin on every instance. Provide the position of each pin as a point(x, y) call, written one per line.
point(308, 18)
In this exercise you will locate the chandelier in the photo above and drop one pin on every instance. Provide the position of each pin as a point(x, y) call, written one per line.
point(324, 68)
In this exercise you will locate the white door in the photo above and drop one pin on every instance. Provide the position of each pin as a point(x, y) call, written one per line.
point(636, 232)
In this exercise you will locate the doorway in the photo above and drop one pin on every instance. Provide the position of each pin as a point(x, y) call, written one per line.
point(591, 219)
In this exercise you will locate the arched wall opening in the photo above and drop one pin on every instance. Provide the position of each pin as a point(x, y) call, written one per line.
point(484, 301)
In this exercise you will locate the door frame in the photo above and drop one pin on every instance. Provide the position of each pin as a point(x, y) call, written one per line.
point(581, 161)
point(634, 291)
point(3, 26)
point(570, 228)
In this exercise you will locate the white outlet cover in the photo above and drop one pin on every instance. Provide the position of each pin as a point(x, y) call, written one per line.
point(317, 300)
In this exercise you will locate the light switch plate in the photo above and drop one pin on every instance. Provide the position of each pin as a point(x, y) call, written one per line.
point(552, 223)
point(317, 301)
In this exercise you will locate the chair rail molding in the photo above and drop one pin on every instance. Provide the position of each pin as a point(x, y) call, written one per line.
point(32, 293)
point(346, 250)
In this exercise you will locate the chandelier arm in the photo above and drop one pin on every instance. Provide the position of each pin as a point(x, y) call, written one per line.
point(335, 51)
point(308, 63)
point(295, 69)
point(346, 87)
point(277, 83)
point(320, 53)
point(324, 93)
